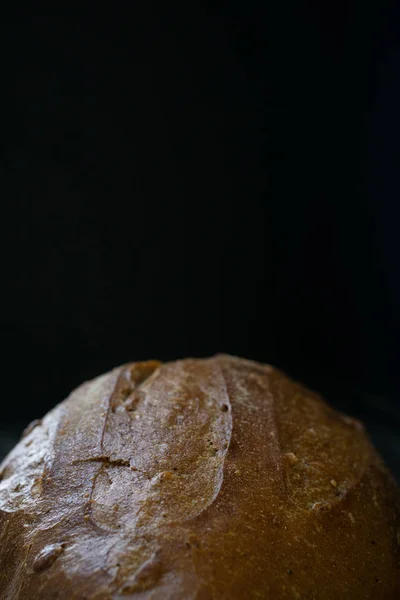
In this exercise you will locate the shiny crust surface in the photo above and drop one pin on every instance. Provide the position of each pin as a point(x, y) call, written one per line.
point(200, 479)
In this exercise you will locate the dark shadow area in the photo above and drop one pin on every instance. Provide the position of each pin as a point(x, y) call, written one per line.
point(184, 182)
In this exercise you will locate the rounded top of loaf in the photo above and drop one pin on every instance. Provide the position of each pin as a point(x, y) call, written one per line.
point(215, 478)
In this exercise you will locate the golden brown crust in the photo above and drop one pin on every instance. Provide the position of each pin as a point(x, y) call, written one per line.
point(200, 479)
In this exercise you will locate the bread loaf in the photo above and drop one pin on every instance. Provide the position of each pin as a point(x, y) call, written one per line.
point(199, 479)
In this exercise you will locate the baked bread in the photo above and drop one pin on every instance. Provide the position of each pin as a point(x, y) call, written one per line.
point(198, 479)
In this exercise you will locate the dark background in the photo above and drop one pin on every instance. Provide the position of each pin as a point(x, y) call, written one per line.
point(184, 181)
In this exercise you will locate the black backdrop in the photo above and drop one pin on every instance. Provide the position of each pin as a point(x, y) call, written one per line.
point(186, 181)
